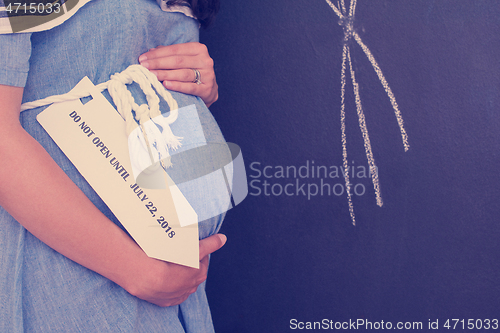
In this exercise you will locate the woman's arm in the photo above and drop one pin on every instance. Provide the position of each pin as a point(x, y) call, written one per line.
point(38, 194)
point(174, 66)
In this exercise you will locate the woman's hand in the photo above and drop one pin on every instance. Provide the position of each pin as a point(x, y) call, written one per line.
point(166, 284)
point(175, 64)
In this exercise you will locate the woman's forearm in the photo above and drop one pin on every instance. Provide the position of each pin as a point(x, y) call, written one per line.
point(38, 194)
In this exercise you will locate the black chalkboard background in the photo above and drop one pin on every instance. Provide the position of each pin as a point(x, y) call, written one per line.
point(432, 251)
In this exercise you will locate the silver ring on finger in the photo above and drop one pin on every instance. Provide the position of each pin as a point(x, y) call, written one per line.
point(197, 76)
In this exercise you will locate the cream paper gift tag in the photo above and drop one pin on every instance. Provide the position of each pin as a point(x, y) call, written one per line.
point(93, 137)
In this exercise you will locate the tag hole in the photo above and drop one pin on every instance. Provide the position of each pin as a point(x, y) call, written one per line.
point(85, 100)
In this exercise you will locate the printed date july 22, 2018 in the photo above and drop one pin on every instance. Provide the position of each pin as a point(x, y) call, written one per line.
point(161, 221)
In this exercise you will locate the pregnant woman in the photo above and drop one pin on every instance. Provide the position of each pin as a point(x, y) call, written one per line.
point(66, 263)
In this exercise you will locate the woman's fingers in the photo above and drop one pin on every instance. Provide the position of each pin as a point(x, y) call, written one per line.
point(192, 48)
point(174, 65)
point(211, 244)
point(182, 75)
point(182, 80)
point(178, 62)
point(167, 284)
point(178, 56)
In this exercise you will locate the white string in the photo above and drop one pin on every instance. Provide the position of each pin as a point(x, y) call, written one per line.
point(148, 135)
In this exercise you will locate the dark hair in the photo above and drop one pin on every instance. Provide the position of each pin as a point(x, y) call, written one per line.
point(204, 10)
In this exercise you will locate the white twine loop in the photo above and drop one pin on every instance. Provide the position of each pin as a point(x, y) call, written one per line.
point(144, 135)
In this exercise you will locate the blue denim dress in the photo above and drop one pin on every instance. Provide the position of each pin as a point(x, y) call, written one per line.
point(41, 290)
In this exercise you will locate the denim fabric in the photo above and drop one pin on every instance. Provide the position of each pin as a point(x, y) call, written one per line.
point(15, 51)
point(41, 290)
